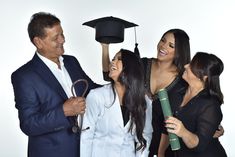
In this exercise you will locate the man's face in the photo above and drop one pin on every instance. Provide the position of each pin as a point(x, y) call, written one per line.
point(51, 45)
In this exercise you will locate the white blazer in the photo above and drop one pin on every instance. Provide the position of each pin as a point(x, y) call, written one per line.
point(107, 136)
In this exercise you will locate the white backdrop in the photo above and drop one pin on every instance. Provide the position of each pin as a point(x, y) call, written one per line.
point(209, 23)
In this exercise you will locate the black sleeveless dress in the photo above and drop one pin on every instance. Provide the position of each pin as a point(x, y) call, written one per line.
point(177, 85)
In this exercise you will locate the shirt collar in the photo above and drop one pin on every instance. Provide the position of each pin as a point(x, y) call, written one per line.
point(50, 63)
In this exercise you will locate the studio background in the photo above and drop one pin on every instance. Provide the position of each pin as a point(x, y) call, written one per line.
point(209, 23)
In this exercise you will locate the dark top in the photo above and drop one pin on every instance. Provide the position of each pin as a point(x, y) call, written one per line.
point(201, 116)
point(125, 114)
point(157, 116)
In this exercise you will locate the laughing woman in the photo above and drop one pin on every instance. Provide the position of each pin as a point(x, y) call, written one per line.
point(118, 114)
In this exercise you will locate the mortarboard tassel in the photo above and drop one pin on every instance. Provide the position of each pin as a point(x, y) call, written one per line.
point(136, 50)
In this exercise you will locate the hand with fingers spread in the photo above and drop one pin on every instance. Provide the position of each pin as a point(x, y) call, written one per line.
point(74, 106)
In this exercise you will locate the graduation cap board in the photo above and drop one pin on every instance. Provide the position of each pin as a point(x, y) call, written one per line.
point(109, 29)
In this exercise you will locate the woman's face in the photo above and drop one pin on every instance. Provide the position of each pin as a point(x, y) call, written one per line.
point(188, 75)
point(166, 47)
point(115, 67)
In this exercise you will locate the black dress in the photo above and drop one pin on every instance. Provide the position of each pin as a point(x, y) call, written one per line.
point(201, 116)
point(157, 116)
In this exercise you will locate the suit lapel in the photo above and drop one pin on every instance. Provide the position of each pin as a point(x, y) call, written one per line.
point(117, 113)
point(75, 74)
point(45, 73)
point(70, 70)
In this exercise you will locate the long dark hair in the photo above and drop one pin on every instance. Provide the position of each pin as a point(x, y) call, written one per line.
point(132, 78)
point(205, 64)
point(182, 49)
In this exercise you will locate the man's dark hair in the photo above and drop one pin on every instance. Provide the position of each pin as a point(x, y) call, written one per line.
point(38, 22)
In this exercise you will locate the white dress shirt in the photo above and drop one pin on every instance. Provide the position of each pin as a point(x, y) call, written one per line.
point(61, 73)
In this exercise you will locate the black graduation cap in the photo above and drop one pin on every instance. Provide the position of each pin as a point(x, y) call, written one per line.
point(109, 29)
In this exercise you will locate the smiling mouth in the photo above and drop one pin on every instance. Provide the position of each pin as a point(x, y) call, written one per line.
point(162, 53)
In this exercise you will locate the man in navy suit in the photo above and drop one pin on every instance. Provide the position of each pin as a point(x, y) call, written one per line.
point(42, 87)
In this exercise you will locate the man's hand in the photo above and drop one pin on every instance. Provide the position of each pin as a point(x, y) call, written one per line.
point(74, 106)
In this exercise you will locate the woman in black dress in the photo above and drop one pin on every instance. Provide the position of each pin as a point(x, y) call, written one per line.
point(165, 71)
point(199, 114)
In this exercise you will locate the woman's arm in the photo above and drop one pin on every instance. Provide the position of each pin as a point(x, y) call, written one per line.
point(105, 57)
point(164, 143)
point(175, 126)
point(89, 124)
point(105, 61)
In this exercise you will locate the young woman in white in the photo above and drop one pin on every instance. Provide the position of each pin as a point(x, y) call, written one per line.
point(118, 114)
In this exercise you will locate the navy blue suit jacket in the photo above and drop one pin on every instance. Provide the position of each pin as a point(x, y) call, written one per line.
point(39, 99)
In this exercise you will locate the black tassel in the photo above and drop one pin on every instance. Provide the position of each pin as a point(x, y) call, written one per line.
point(136, 50)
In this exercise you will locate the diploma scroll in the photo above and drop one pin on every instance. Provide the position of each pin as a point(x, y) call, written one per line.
point(166, 108)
